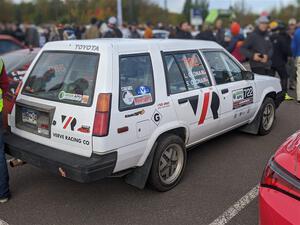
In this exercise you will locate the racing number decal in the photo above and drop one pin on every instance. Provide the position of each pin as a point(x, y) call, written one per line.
point(204, 108)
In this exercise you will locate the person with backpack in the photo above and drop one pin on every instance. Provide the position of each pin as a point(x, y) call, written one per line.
point(237, 40)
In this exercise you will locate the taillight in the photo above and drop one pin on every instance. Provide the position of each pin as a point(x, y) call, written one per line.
point(277, 178)
point(102, 115)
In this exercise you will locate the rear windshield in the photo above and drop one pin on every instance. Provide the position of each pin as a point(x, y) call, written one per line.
point(64, 77)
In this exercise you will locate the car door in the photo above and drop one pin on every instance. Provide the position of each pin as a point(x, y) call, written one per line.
point(237, 101)
point(195, 100)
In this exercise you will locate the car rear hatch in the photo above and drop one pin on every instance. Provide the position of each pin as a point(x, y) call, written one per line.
point(55, 107)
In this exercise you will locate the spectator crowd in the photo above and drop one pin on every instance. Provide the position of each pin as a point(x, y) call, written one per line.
point(271, 47)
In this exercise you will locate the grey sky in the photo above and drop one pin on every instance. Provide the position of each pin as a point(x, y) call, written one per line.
point(255, 5)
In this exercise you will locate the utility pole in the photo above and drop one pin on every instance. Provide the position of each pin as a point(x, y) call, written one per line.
point(119, 13)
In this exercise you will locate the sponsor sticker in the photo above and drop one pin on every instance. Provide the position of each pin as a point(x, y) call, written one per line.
point(163, 105)
point(84, 129)
point(142, 90)
point(144, 99)
point(71, 138)
point(68, 96)
point(242, 97)
point(141, 112)
point(85, 99)
point(127, 97)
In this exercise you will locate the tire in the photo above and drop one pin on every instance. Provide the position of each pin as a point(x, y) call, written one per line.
point(161, 176)
point(267, 116)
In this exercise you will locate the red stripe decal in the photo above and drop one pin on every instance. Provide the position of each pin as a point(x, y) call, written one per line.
point(204, 108)
point(68, 122)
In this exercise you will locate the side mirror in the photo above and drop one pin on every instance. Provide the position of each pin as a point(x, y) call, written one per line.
point(247, 75)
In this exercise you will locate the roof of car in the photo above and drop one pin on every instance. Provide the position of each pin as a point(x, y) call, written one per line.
point(138, 44)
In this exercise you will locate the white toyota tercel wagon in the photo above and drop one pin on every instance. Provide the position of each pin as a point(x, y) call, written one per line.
point(92, 109)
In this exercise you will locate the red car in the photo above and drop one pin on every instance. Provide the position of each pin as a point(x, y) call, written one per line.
point(16, 64)
point(279, 192)
point(9, 44)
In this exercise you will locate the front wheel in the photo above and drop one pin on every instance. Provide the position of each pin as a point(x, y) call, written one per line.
point(268, 111)
point(168, 163)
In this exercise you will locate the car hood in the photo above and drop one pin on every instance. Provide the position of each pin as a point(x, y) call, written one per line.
point(288, 155)
point(264, 77)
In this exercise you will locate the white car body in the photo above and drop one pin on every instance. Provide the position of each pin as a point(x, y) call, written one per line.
point(132, 133)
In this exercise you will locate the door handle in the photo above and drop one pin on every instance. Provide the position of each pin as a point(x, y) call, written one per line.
point(224, 91)
point(182, 101)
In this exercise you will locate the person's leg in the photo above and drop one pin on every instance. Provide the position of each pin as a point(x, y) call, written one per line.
point(4, 178)
point(298, 78)
point(284, 81)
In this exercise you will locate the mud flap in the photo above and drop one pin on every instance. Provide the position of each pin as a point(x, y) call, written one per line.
point(138, 178)
point(253, 127)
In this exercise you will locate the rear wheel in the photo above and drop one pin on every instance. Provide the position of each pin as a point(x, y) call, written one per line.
point(267, 116)
point(168, 163)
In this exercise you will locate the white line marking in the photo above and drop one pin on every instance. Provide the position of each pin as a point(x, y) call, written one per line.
point(3, 222)
point(236, 207)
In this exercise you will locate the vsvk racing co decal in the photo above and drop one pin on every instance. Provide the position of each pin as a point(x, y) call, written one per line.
point(70, 122)
point(242, 97)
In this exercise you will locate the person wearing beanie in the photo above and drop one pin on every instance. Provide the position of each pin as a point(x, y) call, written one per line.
point(236, 42)
point(258, 47)
point(112, 29)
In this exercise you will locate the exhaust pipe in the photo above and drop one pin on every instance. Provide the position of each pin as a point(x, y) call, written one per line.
point(16, 162)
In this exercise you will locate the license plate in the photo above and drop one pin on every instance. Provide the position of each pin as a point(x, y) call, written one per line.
point(29, 116)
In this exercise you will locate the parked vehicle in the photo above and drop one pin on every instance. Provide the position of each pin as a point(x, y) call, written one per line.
point(279, 192)
point(16, 64)
point(97, 108)
point(9, 44)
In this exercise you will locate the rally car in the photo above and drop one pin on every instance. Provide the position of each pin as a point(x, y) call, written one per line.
point(96, 108)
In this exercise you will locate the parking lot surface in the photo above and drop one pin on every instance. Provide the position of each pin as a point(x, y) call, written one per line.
point(218, 174)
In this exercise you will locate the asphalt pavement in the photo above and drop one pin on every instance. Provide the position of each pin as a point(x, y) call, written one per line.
point(219, 173)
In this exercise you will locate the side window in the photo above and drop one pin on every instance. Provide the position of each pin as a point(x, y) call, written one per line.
point(175, 80)
point(224, 69)
point(185, 72)
point(193, 70)
point(136, 81)
point(8, 46)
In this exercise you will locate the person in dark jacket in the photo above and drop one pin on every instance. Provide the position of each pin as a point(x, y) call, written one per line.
point(220, 33)
point(183, 31)
point(282, 51)
point(206, 33)
point(258, 47)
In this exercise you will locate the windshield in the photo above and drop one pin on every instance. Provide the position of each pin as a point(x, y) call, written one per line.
point(64, 77)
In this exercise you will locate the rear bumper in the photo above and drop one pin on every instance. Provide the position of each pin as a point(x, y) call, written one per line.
point(277, 208)
point(75, 167)
point(279, 98)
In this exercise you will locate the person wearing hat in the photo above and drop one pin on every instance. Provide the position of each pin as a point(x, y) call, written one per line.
point(113, 31)
point(282, 51)
point(296, 54)
point(4, 178)
point(258, 47)
point(236, 41)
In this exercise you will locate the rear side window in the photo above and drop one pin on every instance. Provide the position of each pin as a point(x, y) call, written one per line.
point(136, 81)
point(185, 72)
point(64, 77)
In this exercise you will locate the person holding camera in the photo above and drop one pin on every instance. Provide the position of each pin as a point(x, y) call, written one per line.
point(258, 48)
